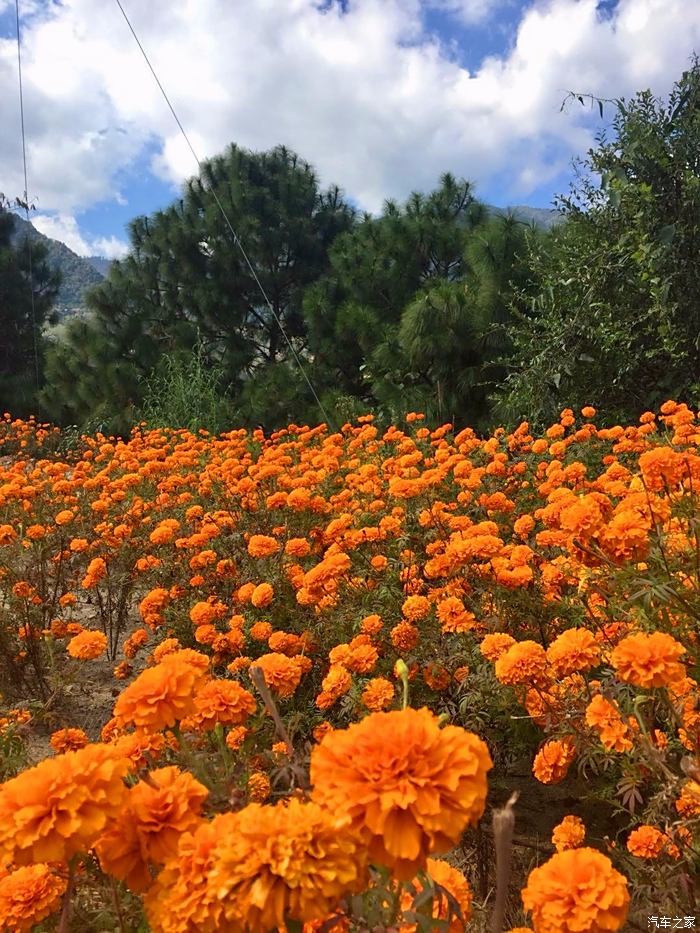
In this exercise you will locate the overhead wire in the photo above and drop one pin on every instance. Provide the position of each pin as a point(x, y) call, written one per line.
point(35, 340)
point(236, 238)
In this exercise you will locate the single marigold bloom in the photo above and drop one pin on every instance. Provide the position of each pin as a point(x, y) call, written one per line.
point(297, 547)
point(415, 608)
point(295, 861)
point(258, 787)
point(494, 646)
point(605, 718)
point(574, 650)
point(281, 673)
point(688, 804)
point(162, 695)
point(409, 787)
point(461, 674)
point(157, 813)
point(68, 740)
point(261, 631)
point(648, 660)
point(236, 737)
point(525, 662)
point(569, 834)
point(28, 895)
point(552, 761)
point(371, 625)
point(454, 618)
point(60, 806)
point(404, 636)
point(647, 842)
point(378, 695)
point(262, 595)
point(451, 880)
point(182, 900)
point(436, 676)
point(577, 891)
point(64, 517)
point(220, 701)
point(262, 546)
point(141, 748)
point(87, 645)
point(334, 685)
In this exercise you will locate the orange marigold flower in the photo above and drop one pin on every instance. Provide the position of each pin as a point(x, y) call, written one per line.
point(28, 895)
point(552, 761)
point(334, 685)
point(291, 861)
point(64, 517)
point(220, 701)
point(574, 650)
point(454, 618)
point(450, 879)
point(524, 662)
point(605, 718)
point(282, 674)
point(297, 547)
point(68, 740)
point(258, 787)
point(461, 674)
point(378, 694)
point(415, 608)
point(648, 660)
point(60, 806)
point(141, 748)
point(262, 595)
point(577, 891)
point(647, 842)
point(261, 631)
point(588, 411)
point(404, 636)
point(371, 625)
point(236, 737)
point(262, 546)
point(157, 813)
point(494, 646)
point(408, 787)
point(182, 899)
point(97, 568)
point(87, 645)
point(688, 804)
point(162, 695)
point(569, 834)
point(436, 676)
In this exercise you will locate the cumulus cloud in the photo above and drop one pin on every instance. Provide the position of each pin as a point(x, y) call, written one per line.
point(361, 89)
point(64, 227)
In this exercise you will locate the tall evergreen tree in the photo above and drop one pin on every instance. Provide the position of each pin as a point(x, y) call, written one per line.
point(355, 311)
point(186, 282)
point(21, 321)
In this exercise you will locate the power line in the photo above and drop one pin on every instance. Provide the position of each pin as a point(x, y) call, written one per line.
point(236, 238)
point(26, 198)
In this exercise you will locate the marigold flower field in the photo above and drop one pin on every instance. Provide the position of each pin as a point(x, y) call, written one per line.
point(327, 652)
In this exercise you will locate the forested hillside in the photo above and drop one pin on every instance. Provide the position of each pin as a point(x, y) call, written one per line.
point(440, 303)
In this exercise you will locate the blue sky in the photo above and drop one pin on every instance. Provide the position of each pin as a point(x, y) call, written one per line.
point(381, 96)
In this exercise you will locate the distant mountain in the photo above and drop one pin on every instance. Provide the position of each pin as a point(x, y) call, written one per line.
point(100, 264)
point(78, 273)
point(542, 217)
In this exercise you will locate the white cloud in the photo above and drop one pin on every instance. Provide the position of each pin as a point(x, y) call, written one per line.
point(365, 94)
point(64, 227)
point(468, 11)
